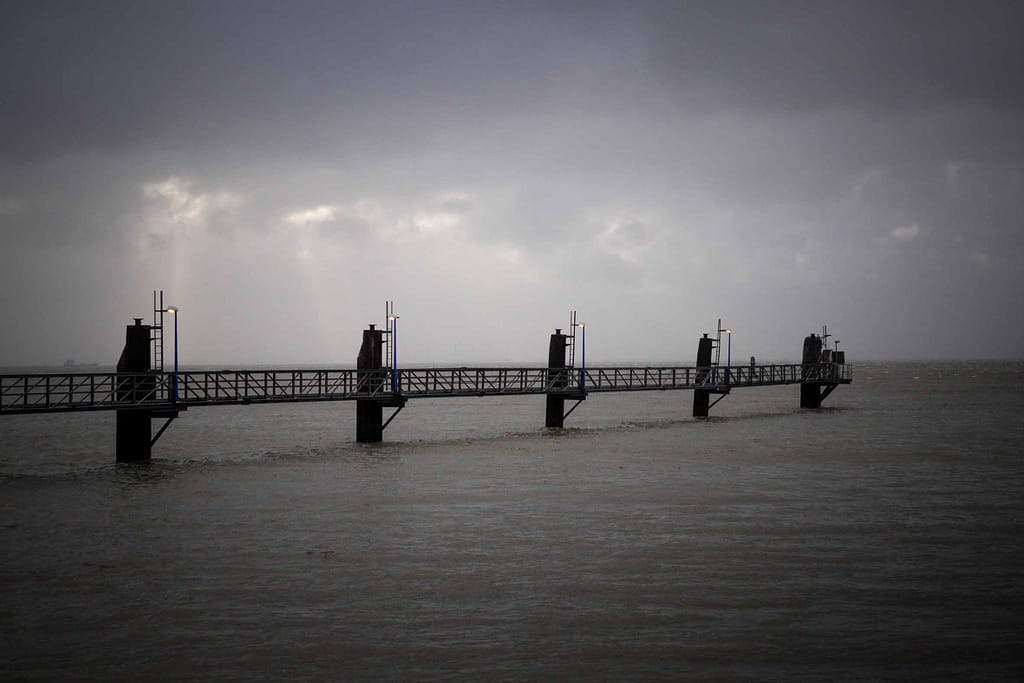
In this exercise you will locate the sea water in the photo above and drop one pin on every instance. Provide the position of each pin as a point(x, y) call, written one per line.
point(881, 537)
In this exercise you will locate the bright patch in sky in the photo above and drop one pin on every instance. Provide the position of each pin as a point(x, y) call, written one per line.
point(320, 214)
point(173, 208)
point(436, 222)
point(905, 233)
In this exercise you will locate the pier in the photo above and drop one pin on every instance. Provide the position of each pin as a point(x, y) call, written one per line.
point(141, 389)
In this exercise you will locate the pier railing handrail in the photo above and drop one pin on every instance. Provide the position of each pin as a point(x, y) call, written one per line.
point(42, 392)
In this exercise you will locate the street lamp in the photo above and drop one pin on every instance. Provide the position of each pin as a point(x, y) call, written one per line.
point(394, 353)
point(728, 356)
point(173, 310)
point(583, 354)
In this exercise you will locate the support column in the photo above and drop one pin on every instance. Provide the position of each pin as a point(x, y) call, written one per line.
point(370, 412)
point(555, 415)
point(134, 426)
point(810, 393)
point(702, 397)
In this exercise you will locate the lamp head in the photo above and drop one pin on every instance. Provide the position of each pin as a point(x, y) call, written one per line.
point(171, 309)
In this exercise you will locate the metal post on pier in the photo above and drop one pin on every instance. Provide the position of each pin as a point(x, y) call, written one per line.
point(728, 357)
point(583, 356)
point(134, 441)
point(558, 379)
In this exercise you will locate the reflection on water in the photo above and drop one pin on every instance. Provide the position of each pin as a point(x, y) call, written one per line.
point(878, 539)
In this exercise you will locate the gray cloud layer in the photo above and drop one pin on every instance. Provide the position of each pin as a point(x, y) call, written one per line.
point(282, 168)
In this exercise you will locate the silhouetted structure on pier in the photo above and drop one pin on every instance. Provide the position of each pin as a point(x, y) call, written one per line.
point(140, 390)
point(372, 381)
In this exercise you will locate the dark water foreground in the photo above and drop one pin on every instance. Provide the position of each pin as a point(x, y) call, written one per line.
point(882, 538)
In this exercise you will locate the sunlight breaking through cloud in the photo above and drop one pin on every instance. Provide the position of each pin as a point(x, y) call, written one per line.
point(320, 214)
point(905, 233)
point(174, 209)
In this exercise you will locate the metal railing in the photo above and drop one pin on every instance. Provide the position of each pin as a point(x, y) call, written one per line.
point(82, 391)
point(35, 393)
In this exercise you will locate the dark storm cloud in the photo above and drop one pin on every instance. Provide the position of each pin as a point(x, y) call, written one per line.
point(116, 74)
point(717, 157)
point(62, 204)
point(128, 73)
point(870, 55)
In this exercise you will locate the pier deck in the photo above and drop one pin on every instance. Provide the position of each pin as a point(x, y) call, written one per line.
point(49, 393)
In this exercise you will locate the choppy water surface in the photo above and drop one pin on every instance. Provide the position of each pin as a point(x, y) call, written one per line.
point(878, 538)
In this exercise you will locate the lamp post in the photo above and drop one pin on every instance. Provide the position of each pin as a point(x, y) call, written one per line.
point(583, 354)
point(173, 310)
point(394, 353)
point(728, 356)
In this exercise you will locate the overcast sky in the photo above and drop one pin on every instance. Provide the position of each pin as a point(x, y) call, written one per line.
point(280, 169)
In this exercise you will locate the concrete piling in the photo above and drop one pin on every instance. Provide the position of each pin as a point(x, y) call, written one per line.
point(370, 412)
point(554, 416)
point(810, 393)
point(702, 397)
point(134, 425)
